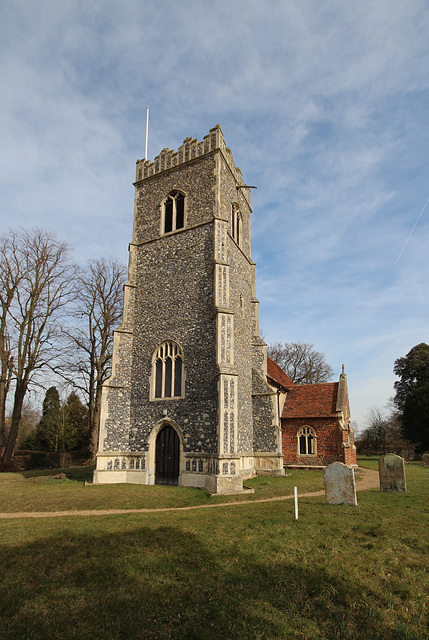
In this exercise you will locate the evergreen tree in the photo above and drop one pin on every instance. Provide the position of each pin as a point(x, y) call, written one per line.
point(76, 422)
point(49, 427)
point(65, 427)
point(412, 394)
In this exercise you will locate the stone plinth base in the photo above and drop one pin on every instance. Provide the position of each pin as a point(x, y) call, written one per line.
point(268, 464)
point(119, 477)
point(218, 484)
point(223, 475)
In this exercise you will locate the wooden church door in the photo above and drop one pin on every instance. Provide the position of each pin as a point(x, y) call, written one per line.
point(167, 455)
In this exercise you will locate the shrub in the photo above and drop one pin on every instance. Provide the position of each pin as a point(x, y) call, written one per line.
point(41, 461)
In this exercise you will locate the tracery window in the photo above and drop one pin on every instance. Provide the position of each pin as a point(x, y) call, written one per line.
point(307, 442)
point(168, 372)
point(236, 223)
point(174, 212)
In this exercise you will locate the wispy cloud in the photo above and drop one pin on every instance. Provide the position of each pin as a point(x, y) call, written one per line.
point(324, 106)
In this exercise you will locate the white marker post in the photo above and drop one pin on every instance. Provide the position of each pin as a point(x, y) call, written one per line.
point(295, 493)
point(147, 132)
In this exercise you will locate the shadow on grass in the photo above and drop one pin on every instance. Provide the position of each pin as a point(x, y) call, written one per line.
point(164, 583)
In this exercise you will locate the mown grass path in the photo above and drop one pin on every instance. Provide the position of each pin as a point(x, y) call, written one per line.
point(369, 479)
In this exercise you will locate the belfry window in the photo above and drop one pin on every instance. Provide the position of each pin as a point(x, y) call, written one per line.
point(174, 212)
point(307, 442)
point(236, 223)
point(168, 372)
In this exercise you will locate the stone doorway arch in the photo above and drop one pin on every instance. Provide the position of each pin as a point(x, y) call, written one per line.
point(167, 456)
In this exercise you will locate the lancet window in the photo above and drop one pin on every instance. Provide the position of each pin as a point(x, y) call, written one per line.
point(173, 212)
point(307, 442)
point(236, 223)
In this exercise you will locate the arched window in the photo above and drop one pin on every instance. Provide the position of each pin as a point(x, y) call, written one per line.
point(307, 442)
point(168, 372)
point(174, 212)
point(236, 223)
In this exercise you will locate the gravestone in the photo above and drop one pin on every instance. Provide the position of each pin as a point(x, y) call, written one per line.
point(392, 473)
point(64, 460)
point(340, 485)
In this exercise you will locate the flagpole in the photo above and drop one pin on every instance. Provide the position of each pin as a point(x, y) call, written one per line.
point(147, 132)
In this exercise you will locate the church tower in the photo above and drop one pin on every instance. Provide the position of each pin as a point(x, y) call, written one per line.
point(188, 402)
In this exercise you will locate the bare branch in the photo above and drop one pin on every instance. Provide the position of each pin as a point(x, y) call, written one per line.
point(97, 312)
point(302, 363)
point(38, 268)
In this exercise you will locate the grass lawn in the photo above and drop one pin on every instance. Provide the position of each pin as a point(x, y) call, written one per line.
point(41, 491)
point(246, 571)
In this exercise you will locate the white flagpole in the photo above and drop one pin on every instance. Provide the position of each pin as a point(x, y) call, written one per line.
point(147, 132)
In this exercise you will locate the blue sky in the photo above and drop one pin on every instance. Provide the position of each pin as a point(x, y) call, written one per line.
point(325, 107)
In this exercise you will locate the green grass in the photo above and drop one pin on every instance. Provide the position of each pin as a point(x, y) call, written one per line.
point(248, 571)
point(41, 491)
point(368, 462)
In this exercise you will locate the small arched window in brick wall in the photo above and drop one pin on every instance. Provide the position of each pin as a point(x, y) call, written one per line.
point(307, 442)
point(236, 223)
point(168, 372)
point(173, 212)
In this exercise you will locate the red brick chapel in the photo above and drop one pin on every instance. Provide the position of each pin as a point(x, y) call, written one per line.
point(315, 420)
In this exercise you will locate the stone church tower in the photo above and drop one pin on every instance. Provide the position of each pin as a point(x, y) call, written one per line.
point(188, 401)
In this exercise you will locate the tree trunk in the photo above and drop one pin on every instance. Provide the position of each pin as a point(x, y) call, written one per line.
point(20, 391)
point(2, 412)
point(95, 425)
point(5, 378)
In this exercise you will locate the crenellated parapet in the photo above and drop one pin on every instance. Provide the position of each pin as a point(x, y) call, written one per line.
point(188, 151)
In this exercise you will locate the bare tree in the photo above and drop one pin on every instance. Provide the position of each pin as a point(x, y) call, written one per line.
point(382, 432)
point(98, 311)
point(302, 363)
point(378, 428)
point(32, 318)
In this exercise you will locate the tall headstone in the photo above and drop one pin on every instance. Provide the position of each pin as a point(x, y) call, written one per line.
point(340, 485)
point(392, 473)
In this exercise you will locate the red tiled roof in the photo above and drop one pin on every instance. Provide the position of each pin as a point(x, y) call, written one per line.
point(276, 373)
point(311, 401)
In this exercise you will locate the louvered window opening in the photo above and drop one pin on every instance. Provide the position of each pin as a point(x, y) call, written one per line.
point(174, 212)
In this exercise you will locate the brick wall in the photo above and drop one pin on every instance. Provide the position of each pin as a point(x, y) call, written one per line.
point(329, 442)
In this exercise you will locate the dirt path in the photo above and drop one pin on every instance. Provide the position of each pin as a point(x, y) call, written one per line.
point(366, 479)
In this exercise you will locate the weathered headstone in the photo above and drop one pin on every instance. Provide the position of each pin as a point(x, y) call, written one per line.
point(392, 473)
point(340, 485)
point(64, 460)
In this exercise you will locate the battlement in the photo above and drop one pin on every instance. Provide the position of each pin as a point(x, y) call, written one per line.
point(190, 149)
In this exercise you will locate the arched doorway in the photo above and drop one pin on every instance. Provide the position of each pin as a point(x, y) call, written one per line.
point(167, 456)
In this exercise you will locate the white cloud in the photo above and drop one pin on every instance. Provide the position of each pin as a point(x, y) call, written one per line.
point(324, 106)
